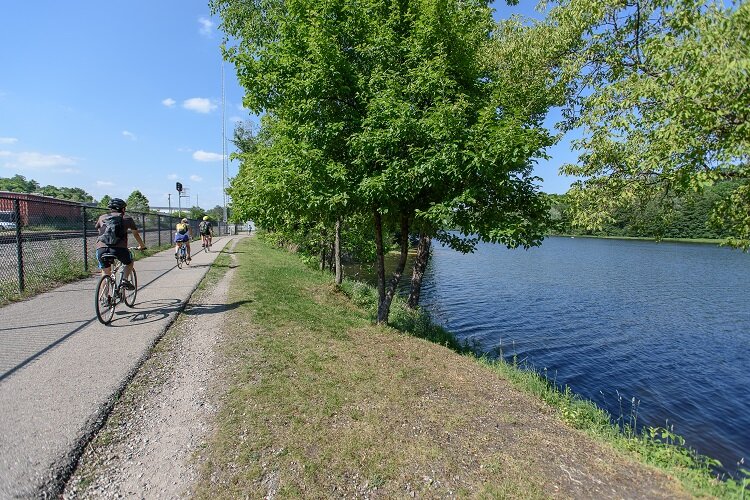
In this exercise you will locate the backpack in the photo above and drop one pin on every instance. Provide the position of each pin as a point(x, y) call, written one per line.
point(182, 228)
point(204, 226)
point(114, 230)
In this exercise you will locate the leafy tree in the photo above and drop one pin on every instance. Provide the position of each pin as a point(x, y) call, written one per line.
point(216, 213)
point(105, 201)
point(19, 184)
point(64, 193)
point(196, 213)
point(383, 110)
point(661, 95)
point(137, 202)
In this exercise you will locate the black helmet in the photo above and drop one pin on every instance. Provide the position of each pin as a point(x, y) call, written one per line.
point(116, 204)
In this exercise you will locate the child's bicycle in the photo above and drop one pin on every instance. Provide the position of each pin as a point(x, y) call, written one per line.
point(182, 258)
point(110, 290)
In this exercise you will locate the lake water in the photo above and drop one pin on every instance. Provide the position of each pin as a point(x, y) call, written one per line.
point(665, 323)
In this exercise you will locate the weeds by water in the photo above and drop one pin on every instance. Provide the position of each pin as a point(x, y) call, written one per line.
point(657, 446)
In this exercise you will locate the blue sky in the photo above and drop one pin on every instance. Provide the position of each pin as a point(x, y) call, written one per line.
point(117, 96)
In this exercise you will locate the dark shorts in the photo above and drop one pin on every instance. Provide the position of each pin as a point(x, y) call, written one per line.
point(208, 233)
point(179, 238)
point(106, 255)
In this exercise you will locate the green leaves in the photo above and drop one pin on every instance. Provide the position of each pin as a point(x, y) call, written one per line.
point(660, 91)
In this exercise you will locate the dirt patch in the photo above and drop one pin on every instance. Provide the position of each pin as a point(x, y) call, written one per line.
point(152, 442)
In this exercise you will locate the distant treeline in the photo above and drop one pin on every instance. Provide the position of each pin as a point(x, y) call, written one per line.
point(19, 184)
point(672, 216)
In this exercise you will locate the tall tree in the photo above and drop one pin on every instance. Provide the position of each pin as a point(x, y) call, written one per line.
point(662, 97)
point(446, 143)
point(137, 202)
point(385, 108)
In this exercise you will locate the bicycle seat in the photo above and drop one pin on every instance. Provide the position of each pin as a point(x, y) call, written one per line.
point(108, 258)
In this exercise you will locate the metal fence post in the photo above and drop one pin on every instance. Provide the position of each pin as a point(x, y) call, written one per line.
point(158, 227)
point(85, 243)
point(143, 225)
point(19, 245)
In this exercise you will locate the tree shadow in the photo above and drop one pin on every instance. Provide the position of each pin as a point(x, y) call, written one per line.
point(203, 309)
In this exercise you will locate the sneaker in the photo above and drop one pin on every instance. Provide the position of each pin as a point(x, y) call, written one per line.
point(128, 285)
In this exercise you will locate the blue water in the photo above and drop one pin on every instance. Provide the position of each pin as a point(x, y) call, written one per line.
point(667, 324)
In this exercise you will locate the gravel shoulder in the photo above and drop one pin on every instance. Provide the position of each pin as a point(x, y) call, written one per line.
point(151, 443)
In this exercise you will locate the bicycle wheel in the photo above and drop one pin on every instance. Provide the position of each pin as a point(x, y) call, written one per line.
point(130, 294)
point(104, 300)
point(179, 258)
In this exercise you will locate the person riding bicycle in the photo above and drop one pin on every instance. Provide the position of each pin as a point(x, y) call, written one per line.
point(182, 235)
point(113, 240)
point(206, 231)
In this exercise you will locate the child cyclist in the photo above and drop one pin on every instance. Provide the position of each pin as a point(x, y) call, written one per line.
point(206, 231)
point(182, 234)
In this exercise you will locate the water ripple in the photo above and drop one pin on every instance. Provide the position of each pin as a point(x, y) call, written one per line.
point(666, 324)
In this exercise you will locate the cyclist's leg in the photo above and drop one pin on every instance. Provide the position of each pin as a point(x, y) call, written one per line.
point(123, 255)
point(103, 257)
point(187, 244)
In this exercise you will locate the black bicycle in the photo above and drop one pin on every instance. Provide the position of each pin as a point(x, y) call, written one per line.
point(110, 290)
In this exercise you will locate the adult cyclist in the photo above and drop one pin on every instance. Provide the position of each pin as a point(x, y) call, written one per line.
point(182, 235)
point(206, 231)
point(112, 242)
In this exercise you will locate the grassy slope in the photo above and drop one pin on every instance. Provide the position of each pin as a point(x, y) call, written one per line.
point(322, 403)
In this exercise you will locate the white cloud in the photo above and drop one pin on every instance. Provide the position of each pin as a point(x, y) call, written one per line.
point(199, 105)
point(129, 135)
point(172, 177)
point(201, 155)
point(38, 161)
point(8, 140)
point(196, 178)
point(169, 102)
point(206, 28)
point(104, 183)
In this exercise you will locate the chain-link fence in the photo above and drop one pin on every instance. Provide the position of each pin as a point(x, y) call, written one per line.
point(45, 242)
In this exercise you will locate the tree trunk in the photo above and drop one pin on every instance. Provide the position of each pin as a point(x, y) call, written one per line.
point(337, 252)
point(323, 255)
point(385, 308)
point(380, 263)
point(420, 264)
point(331, 252)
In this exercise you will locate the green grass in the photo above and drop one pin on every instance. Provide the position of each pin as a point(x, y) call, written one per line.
point(320, 402)
point(655, 446)
point(700, 241)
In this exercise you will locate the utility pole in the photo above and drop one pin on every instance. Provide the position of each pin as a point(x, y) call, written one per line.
point(223, 144)
point(169, 201)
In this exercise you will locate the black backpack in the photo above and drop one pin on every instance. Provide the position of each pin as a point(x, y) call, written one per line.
point(114, 230)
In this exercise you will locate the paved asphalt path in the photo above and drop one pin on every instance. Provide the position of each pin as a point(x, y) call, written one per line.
point(61, 370)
